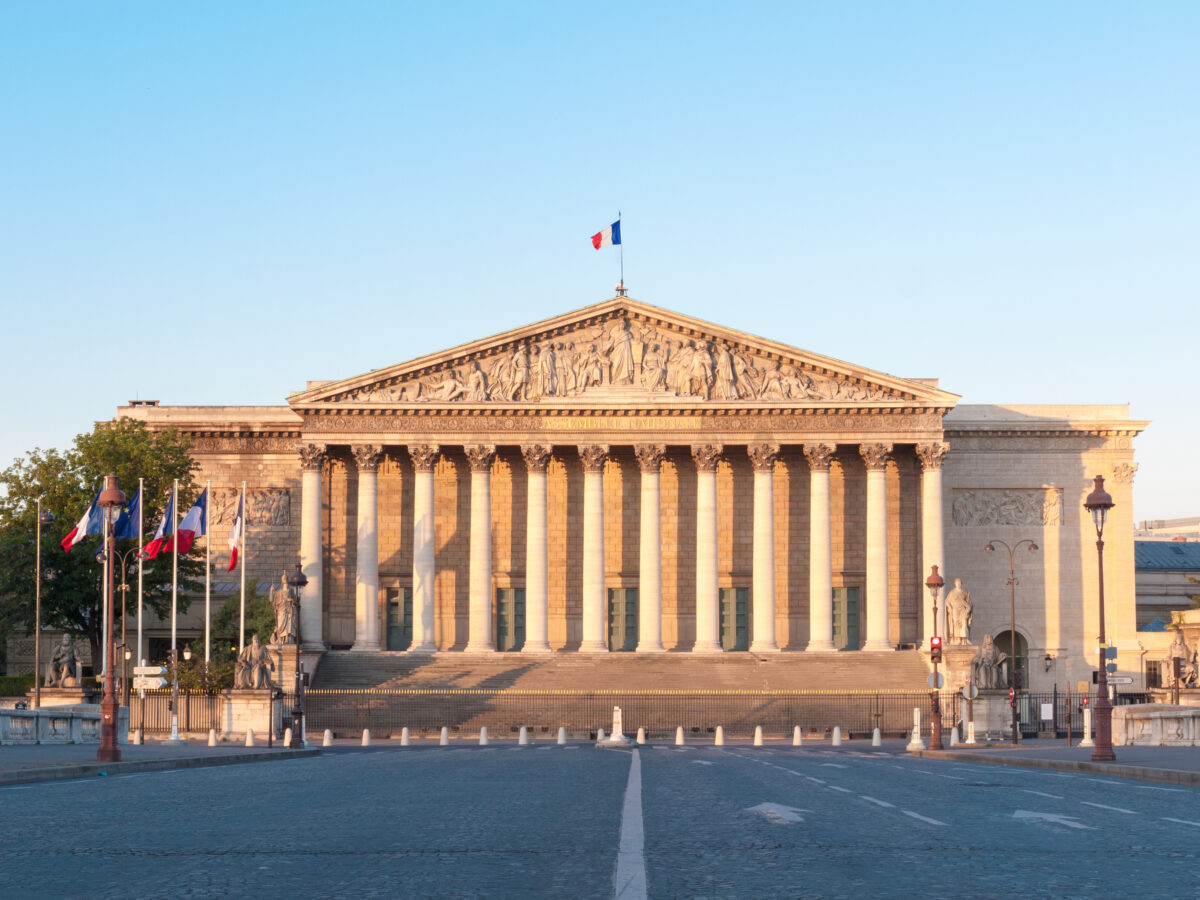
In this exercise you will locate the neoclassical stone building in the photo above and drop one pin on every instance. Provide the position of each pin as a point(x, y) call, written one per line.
point(627, 478)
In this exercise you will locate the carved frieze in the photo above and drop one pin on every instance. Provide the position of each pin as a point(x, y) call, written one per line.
point(235, 443)
point(875, 456)
point(264, 506)
point(763, 456)
point(706, 456)
point(1007, 506)
point(819, 456)
point(650, 456)
point(624, 353)
point(932, 455)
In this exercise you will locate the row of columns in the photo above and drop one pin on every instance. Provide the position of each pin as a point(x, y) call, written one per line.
point(480, 636)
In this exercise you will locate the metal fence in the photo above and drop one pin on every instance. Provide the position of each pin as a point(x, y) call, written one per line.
point(384, 711)
point(197, 712)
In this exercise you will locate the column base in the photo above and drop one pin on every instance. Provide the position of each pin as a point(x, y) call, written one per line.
point(593, 647)
point(764, 648)
point(877, 648)
point(536, 648)
point(422, 648)
point(479, 648)
point(820, 647)
point(652, 648)
point(707, 647)
point(365, 647)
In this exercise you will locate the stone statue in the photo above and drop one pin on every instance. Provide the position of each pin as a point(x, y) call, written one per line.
point(1179, 650)
point(252, 666)
point(65, 665)
point(702, 371)
point(476, 385)
point(727, 387)
point(985, 667)
point(654, 370)
point(958, 614)
point(287, 629)
point(545, 374)
point(620, 355)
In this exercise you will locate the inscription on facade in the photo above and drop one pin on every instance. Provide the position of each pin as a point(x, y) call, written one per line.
point(1007, 506)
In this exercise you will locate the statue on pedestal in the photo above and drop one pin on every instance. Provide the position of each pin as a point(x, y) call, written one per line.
point(253, 665)
point(985, 667)
point(1179, 650)
point(66, 669)
point(958, 614)
point(287, 629)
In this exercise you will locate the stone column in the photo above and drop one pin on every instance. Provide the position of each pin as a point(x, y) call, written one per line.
point(537, 571)
point(650, 458)
point(876, 457)
point(932, 546)
point(594, 600)
point(479, 625)
point(763, 457)
point(820, 549)
point(708, 612)
point(424, 457)
point(366, 570)
point(312, 458)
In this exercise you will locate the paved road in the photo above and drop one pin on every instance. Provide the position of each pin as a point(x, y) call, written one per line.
point(507, 821)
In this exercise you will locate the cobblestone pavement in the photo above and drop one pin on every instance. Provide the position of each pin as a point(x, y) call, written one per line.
point(507, 821)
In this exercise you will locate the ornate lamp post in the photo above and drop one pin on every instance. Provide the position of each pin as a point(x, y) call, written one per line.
point(123, 587)
point(1098, 503)
point(112, 499)
point(299, 580)
point(935, 583)
point(43, 518)
point(1012, 634)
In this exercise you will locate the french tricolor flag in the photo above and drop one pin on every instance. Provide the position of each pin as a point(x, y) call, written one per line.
point(194, 525)
point(608, 236)
point(235, 533)
point(91, 523)
point(165, 529)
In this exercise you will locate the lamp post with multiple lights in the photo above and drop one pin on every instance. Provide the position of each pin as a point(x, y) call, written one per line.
point(1012, 583)
point(1098, 503)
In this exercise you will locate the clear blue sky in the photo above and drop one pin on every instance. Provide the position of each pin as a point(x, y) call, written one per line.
point(211, 203)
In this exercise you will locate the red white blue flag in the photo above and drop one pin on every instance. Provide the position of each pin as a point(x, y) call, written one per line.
point(91, 523)
point(235, 533)
point(607, 236)
point(194, 525)
point(166, 528)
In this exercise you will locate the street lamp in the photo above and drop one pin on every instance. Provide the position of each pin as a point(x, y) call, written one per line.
point(43, 518)
point(935, 583)
point(123, 587)
point(1098, 503)
point(112, 500)
point(1012, 634)
point(299, 580)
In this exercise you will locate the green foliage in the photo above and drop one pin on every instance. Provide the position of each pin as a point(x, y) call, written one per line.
point(15, 685)
point(67, 482)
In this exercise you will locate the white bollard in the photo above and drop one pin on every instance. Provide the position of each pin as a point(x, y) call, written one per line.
point(757, 735)
point(444, 740)
point(599, 734)
point(249, 737)
point(916, 743)
point(876, 738)
point(641, 736)
point(136, 737)
point(327, 739)
point(954, 736)
point(719, 737)
point(212, 737)
point(679, 736)
point(970, 732)
point(523, 737)
point(366, 738)
point(562, 734)
point(797, 737)
point(1087, 729)
point(837, 736)
point(404, 736)
point(287, 737)
point(483, 736)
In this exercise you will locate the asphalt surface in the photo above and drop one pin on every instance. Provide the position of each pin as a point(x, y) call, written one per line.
point(506, 821)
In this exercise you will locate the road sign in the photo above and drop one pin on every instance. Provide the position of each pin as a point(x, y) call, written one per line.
point(1121, 679)
point(941, 681)
point(148, 682)
point(149, 670)
point(970, 691)
point(1111, 667)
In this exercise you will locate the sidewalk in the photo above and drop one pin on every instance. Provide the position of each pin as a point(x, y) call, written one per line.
point(1170, 765)
point(26, 763)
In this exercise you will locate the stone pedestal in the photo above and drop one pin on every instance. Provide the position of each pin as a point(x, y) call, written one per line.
point(992, 716)
point(65, 696)
point(284, 657)
point(244, 709)
point(956, 663)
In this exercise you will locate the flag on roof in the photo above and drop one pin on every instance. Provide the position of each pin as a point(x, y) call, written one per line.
point(91, 523)
point(607, 236)
point(235, 533)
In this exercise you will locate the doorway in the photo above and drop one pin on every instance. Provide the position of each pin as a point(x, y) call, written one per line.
point(510, 618)
point(735, 631)
point(622, 619)
point(846, 635)
point(399, 618)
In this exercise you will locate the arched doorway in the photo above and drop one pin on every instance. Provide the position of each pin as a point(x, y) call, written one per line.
point(1004, 643)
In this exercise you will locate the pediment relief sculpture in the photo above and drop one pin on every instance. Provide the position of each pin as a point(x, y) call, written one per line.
point(620, 355)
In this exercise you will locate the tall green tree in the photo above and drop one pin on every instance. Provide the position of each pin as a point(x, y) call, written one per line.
point(67, 482)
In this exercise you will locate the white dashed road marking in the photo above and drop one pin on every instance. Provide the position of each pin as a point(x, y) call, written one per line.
point(909, 812)
point(1128, 812)
point(877, 802)
point(1181, 821)
point(629, 880)
point(1042, 794)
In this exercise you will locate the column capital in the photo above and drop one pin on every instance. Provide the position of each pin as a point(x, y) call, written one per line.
point(480, 456)
point(819, 456)
point(763, 456)
point(875, 456)
point(536, 456)
point(312, 456)
point(650, 456)
point(706, 456)
point(593, 456)
point(424, 456)
point(366, 457)
point(932, 455)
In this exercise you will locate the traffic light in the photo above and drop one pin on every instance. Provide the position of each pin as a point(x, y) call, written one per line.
point(1085, 701)
point(935, 649)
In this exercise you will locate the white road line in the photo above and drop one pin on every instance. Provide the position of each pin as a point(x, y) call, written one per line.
point(629, 879)
point(813, 780)
point(878, 802)
point(1128, 812)
point(1150, 787)
point(1042, 794)
point(909, 812)
point(834, 787)
point(1181, 821)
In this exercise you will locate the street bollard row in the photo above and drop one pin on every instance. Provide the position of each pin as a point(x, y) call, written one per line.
point(523, 738)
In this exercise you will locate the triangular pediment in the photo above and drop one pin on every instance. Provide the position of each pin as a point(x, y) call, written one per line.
point(628, 353)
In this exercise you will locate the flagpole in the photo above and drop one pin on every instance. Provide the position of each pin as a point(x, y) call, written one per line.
point(242, 561)
point(207, 575)
point(622, 246)
point(141, 564)
point(104, 610)
point(174, 601)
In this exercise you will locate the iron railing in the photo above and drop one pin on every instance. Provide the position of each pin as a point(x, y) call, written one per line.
point(198, 712)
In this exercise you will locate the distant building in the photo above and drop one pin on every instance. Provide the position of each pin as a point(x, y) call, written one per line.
point(1169, 529)
point(1163, 573)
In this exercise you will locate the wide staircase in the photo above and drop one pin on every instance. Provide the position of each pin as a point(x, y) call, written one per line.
point(465, 691)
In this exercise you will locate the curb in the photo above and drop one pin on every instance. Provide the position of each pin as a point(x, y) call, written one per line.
point(1136, 773)
point(68, 772)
